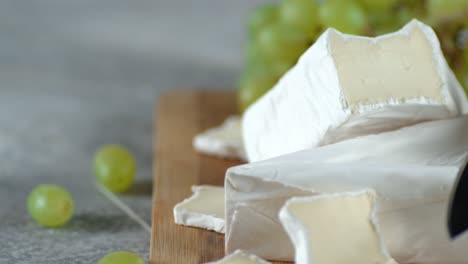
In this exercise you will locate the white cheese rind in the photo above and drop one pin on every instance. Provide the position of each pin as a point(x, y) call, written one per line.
point(412, 170)
point(334, 229)
point(308, 107)
point(240, 257)
point(204, 209)
point(224, 141)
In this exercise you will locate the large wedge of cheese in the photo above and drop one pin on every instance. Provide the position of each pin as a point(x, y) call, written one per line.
point(335, 229)
point(411, 169)
point(346, 86)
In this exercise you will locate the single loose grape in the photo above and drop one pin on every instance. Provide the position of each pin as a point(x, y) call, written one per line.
point(302, 14)
point(50, 205)
point(346, 16)
point(261, 17)
point(280, 42)
point(114, 168)
point(121, 257)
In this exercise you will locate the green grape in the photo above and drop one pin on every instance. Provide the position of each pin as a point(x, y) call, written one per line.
point(302, 14)
point(385, 28)
point(411, 10)
point(279, 69)
point(465, 53)
point(114, 168)
point(280, 42)
point(273, 69)
point(346, 16)
point(404, 16)
point(257, 61)
point(465, 83)
point(382, 22)
point(253, 52)
point(381, 17)
point(378, 5)
point(255, 58)
point(261, 17)
point(252, 87)
point(443, 8)
point(50, 205)
point(121, 257)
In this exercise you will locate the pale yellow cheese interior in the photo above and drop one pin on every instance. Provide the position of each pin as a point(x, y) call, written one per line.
point(208, 200)
point(340, 230)
point(397, 67)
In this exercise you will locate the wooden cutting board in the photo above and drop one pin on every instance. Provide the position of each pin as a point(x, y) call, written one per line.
point(179, 116)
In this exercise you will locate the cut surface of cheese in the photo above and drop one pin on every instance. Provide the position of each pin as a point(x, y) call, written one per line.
point(334, 229)
point(204, 209)
point(347, 86)
point(240, 257)
point(411, 169)
point(223, 141)
point(375, 71)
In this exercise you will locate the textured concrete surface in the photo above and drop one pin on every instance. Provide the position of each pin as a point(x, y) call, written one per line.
point(78, 74)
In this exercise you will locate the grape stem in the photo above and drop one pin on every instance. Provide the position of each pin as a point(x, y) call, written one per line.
point(127, 210)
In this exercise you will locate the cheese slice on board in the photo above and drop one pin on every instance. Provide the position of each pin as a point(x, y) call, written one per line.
point(204, 209)
point(412, 170)
point(335, 229)
point(224, 141)
point(240, 257)
point(346, 86)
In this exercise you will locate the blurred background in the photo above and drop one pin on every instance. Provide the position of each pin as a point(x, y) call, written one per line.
point(75, 75)
point(78, 74)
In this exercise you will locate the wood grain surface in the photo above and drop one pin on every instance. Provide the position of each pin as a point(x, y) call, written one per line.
point(181, 115)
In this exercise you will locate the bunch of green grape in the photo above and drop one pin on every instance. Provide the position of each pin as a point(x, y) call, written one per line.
point(279, 33)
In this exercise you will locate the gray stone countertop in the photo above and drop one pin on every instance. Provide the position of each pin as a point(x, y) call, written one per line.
point(78, 74)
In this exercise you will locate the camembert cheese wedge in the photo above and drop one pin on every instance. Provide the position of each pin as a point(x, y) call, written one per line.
point(412, 169)
point(346, 86)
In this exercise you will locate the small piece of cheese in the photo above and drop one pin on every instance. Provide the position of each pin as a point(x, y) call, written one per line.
point(346, 86)
point(223, 141)
point(412, 170)
point(240, 257)
point(204, 209)
point(335, 229)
